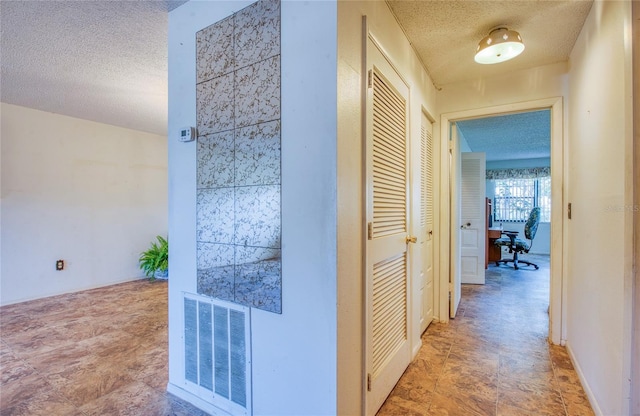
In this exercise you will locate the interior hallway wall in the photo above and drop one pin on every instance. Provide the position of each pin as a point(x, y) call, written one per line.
point(293, 353)
point(635, 376)
point(600, 190)
point(92, 194)
point(350, 187)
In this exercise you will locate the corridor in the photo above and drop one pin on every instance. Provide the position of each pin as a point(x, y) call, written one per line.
point(493, 358)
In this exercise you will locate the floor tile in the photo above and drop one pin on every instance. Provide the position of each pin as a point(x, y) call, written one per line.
point(101, 351)
point(104, 351)
point(494, 357)
point(455, 405)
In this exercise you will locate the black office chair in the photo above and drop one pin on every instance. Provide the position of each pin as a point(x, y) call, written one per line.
point(517, 245)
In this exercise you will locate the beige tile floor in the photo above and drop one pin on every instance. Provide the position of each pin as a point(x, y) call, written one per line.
point(494, 358)
point(97, 352)
point(104, 352)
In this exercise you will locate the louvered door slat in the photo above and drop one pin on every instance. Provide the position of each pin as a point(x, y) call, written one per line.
point(394, 102)
point(389, 159)
point(388, 153)
point(389, 193)
point(389, 308)
point(392, 144)
point(390, 129)
point(429, 178)
point(471, 194)
point(423, 176)
point(386, 167)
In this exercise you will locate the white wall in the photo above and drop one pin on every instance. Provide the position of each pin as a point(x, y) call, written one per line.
point(350, 187)
point(92, 194)
point(635, 389)
point(293, 354)
point(526, 85)
point(600, 179)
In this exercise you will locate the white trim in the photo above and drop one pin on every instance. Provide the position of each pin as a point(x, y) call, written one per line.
point(75, 290)
point(557, 301)
point(195, 400)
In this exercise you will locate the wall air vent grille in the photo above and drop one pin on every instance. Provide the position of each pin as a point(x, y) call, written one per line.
point(217, 352)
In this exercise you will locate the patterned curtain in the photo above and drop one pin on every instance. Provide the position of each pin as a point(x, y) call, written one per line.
point(519, 173)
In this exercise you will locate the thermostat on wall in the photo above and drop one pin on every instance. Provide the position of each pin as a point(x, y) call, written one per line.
point(187, 134)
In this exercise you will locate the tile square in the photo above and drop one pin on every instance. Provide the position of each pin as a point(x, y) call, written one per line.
point(257, 32)
point(214, 50)
point(258, 281)
point(33, 396)
point(214, 103)
point(215, 160)
point(217, 282)
point(215, 215)
point(533, 395)
point(257, 93)
point(211, 255)
point(257, 216)
point(257, 154)
point(216, 270)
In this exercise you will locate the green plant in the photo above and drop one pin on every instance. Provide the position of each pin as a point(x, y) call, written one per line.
point(156, 258)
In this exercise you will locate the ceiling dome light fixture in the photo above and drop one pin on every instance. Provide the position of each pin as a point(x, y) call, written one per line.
point(500, 45)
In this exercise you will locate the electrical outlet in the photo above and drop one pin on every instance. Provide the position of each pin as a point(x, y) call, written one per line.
point(60, 265)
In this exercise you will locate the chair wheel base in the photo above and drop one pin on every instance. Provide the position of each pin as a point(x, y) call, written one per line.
point(516, 263)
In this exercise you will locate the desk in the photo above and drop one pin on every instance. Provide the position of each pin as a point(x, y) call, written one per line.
point(493, 251)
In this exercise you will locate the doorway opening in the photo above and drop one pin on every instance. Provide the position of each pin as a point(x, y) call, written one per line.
point(450, 219)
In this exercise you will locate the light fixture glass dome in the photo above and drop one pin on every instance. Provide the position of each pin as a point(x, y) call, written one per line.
point(500, 45)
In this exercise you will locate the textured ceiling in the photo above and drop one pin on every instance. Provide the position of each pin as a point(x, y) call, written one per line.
point(107, 60)
point(104, 61)
point(446, 33)
point(513, 136)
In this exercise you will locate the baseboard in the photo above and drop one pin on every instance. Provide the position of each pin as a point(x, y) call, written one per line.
point(195, 400)
point(585, 385)
point(416, 349)
point(74, 290)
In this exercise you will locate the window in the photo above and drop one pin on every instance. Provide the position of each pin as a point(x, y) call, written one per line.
point(515, 198)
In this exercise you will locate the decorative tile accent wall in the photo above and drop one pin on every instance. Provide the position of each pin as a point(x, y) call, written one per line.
point(238, 158)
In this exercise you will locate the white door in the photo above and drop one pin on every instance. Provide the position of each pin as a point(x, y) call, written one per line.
point(388, 351)
point(425, 239)
point(473, 222)
point(455, 290)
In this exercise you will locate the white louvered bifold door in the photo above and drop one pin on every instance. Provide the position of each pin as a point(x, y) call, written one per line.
point(426, 223)
point(388, 351)
point(472, 214)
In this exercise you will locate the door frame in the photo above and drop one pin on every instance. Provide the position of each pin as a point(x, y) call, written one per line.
point(557, 295)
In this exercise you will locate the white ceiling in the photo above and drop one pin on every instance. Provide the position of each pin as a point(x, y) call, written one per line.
point(104, 61)
point(508, 137)
point(107, 60)
point(446, 33)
